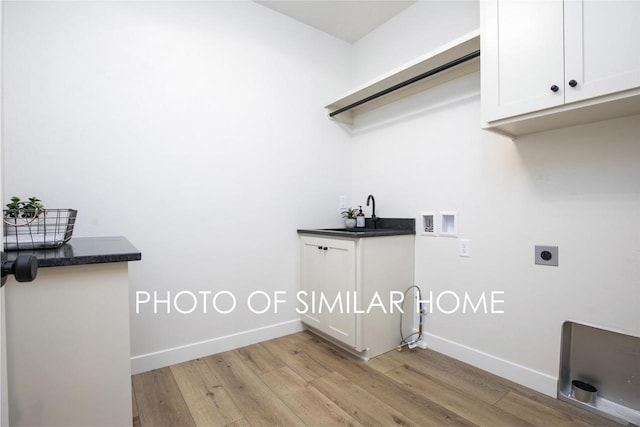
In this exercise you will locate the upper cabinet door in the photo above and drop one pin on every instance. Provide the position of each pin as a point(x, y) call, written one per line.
point(602, 40)
point(522, 56)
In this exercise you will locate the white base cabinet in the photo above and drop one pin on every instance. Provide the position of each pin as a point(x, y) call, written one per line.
point(348, 286)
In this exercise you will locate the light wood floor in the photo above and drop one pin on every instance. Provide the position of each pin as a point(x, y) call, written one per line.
point(303, 380)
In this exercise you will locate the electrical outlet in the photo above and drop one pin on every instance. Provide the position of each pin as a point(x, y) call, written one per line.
point(546, 255)
point(464, 247)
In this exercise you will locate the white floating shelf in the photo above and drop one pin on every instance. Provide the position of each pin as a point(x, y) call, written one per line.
point(445, 54)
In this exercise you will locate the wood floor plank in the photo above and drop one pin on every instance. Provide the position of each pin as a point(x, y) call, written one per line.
point(239, 423)
point(208, 401)
point(296, 358)
point(465, 405)
point(487, 386)
point(415, 407)
point(360, 404)
point(301, 336)
point(537, 413)
point(160, 402)
point(313, 407)
point(134, 407)
point(259, 405)
point(575, 412)
point(384, 363)
point(259, 359)
point(466, 378)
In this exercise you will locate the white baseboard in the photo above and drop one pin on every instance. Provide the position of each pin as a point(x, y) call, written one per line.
point(171, 356)
point(517, 373)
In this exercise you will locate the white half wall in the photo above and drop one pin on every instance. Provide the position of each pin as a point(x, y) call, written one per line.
point(195, 129)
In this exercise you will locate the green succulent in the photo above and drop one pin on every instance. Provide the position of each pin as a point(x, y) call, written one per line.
point(349, 213)
point(24, 209)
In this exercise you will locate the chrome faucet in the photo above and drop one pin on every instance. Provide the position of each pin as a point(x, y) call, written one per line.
point(373, 210)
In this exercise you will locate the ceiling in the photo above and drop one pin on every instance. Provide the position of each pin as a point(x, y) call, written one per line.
point(348, 20)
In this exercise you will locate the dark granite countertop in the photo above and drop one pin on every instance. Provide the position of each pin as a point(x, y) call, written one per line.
point(382, 227)
point(84, 250)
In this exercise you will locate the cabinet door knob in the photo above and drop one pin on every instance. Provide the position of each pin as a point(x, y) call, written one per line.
point(573, 83)
point(554, 88)
point(320, 247)
point(325, 248)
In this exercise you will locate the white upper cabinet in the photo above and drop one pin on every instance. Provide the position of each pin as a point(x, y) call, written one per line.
point(548, 64)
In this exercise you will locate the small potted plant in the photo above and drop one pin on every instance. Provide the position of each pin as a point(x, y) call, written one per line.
point(13, 207)
point(19, 209)
point(350, 217)
point(20, 212)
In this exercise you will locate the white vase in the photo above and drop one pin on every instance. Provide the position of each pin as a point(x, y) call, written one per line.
point(350, 223)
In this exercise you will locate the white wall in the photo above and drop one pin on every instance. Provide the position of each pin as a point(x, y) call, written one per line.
point(424, 26)
point(195, 129)
point(578, 188)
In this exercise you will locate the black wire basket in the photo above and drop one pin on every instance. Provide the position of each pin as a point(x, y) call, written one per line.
point(37, 228)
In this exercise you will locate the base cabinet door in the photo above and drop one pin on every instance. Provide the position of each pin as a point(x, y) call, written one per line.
point(340, 287)
point(328, 278)
point(311, 280)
